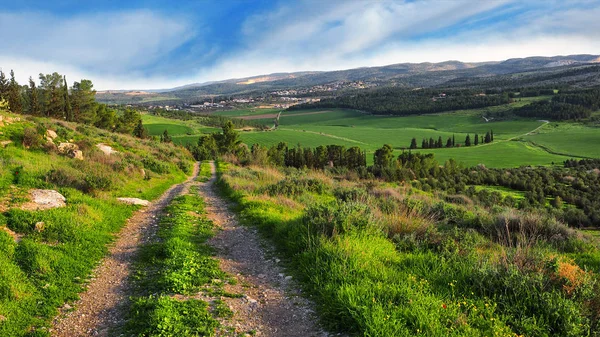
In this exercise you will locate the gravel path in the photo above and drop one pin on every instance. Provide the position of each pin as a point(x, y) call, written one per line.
point(272, 304)
point(101, 306)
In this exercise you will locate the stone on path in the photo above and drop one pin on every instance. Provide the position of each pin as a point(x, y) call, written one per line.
point(134, 201)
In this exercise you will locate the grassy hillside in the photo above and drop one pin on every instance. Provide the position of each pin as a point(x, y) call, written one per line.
point(47, 255)
point(384, 259)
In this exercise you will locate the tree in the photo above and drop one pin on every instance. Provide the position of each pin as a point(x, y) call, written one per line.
point(140, 131)
point(229, 140)
point(106, 118)
point(84, 101)
point(468, 140)
point(557, 202)
point(52, 95)
point(128, 121)
point(440, 142)
point(413, 143)
point(431, 143)
point(165, 138)
point(487, 137)
point(453, 141)
point(14, 95)
point(383, 156)
point(476, 141)
point(3, 86)
point(68, 108)
point(34, 100)
point(449, 142)
point(491, 135)
point(424, 144)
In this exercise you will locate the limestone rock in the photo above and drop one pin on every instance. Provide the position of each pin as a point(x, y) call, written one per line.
point(45, 199)
point(71, 150)
point(4, 143)
point(106, 149)
point(134, 201)
point(40, 226)
point(77, 154)
point(51, 134)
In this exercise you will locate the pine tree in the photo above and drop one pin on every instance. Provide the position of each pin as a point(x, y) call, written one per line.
point(140, 131)
point(34, 100)
point(68, 108)
point(440, 143)
point(431, 143)
point(14, 95)
point(468, 140)
point(3, 86)
point(165, 138)
point(476, 139)
point(413, 143)
point(424, 144)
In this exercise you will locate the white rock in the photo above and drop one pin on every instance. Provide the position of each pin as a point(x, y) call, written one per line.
point(47, 199)
point(78, 154)
point(106, 149)
point(51, 134)
point(4, 143)
point(134, 201)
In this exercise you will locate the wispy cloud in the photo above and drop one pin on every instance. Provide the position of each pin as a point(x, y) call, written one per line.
point(149, 48)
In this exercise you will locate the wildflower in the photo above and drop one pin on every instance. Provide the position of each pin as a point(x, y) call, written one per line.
point(444, 306)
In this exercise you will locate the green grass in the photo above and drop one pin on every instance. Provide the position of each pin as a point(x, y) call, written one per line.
point(245, 112)
point(49, 267)
point(205, 172)
point(437, 280)
point(570, 139)
point(179, 262)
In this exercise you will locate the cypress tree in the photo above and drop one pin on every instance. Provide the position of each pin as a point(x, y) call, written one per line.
point(424, 144)
point(453, 141)
point(440, 142)
point(449, 142)
point(468, 140)
point(431, 143)
point(476, 139)
point(491, 135)
point(34, 100)
point(68, 108)
point(413, 143)
point(14, 95)
point(3, 86)
point(487, 137)
point(140, 131)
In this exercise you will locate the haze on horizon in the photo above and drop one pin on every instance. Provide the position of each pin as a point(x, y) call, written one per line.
point(160, 45)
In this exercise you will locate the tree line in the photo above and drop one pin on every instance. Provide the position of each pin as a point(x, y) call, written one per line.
point(54, 98)
point(401, 102)
point(451, 141)
point(566, 105)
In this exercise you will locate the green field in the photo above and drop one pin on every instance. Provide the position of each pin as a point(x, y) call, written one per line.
point(572, 139)
point(517, 142)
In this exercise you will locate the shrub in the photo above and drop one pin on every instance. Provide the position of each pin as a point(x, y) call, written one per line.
point(294, 186)
point(339, 218)
point(155, 166)
point(32, 138)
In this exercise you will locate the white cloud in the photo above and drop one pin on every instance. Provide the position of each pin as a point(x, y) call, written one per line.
point(109, 45)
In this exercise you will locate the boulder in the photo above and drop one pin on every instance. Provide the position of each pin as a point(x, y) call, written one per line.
point(77, 154)
point(4, 143)
point(45, 199)
point(134, 201)
point(71, 150)
point(107, 150)
point(51, 134)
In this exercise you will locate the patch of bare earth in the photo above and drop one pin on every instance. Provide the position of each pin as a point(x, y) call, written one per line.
point(272, 304)
point(102, 306)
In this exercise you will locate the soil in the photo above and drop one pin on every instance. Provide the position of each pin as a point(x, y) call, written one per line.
point(101, 307)
point(272, 304)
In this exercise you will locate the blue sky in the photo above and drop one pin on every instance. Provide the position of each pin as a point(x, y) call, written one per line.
point(162, 44)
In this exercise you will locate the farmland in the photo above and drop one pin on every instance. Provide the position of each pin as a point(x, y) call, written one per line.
point(515, 144)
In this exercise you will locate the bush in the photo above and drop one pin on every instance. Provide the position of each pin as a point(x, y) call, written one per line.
point(155, 166)
point(294, 186)
point(339, 218)
point(32, 138)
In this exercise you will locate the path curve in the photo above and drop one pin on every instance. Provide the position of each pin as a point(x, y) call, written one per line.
point(102, 306)
point(272, 304)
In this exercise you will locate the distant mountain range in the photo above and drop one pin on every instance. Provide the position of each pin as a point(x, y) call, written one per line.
point(402, 74)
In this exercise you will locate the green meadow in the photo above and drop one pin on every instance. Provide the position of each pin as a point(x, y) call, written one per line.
point(517, 142)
